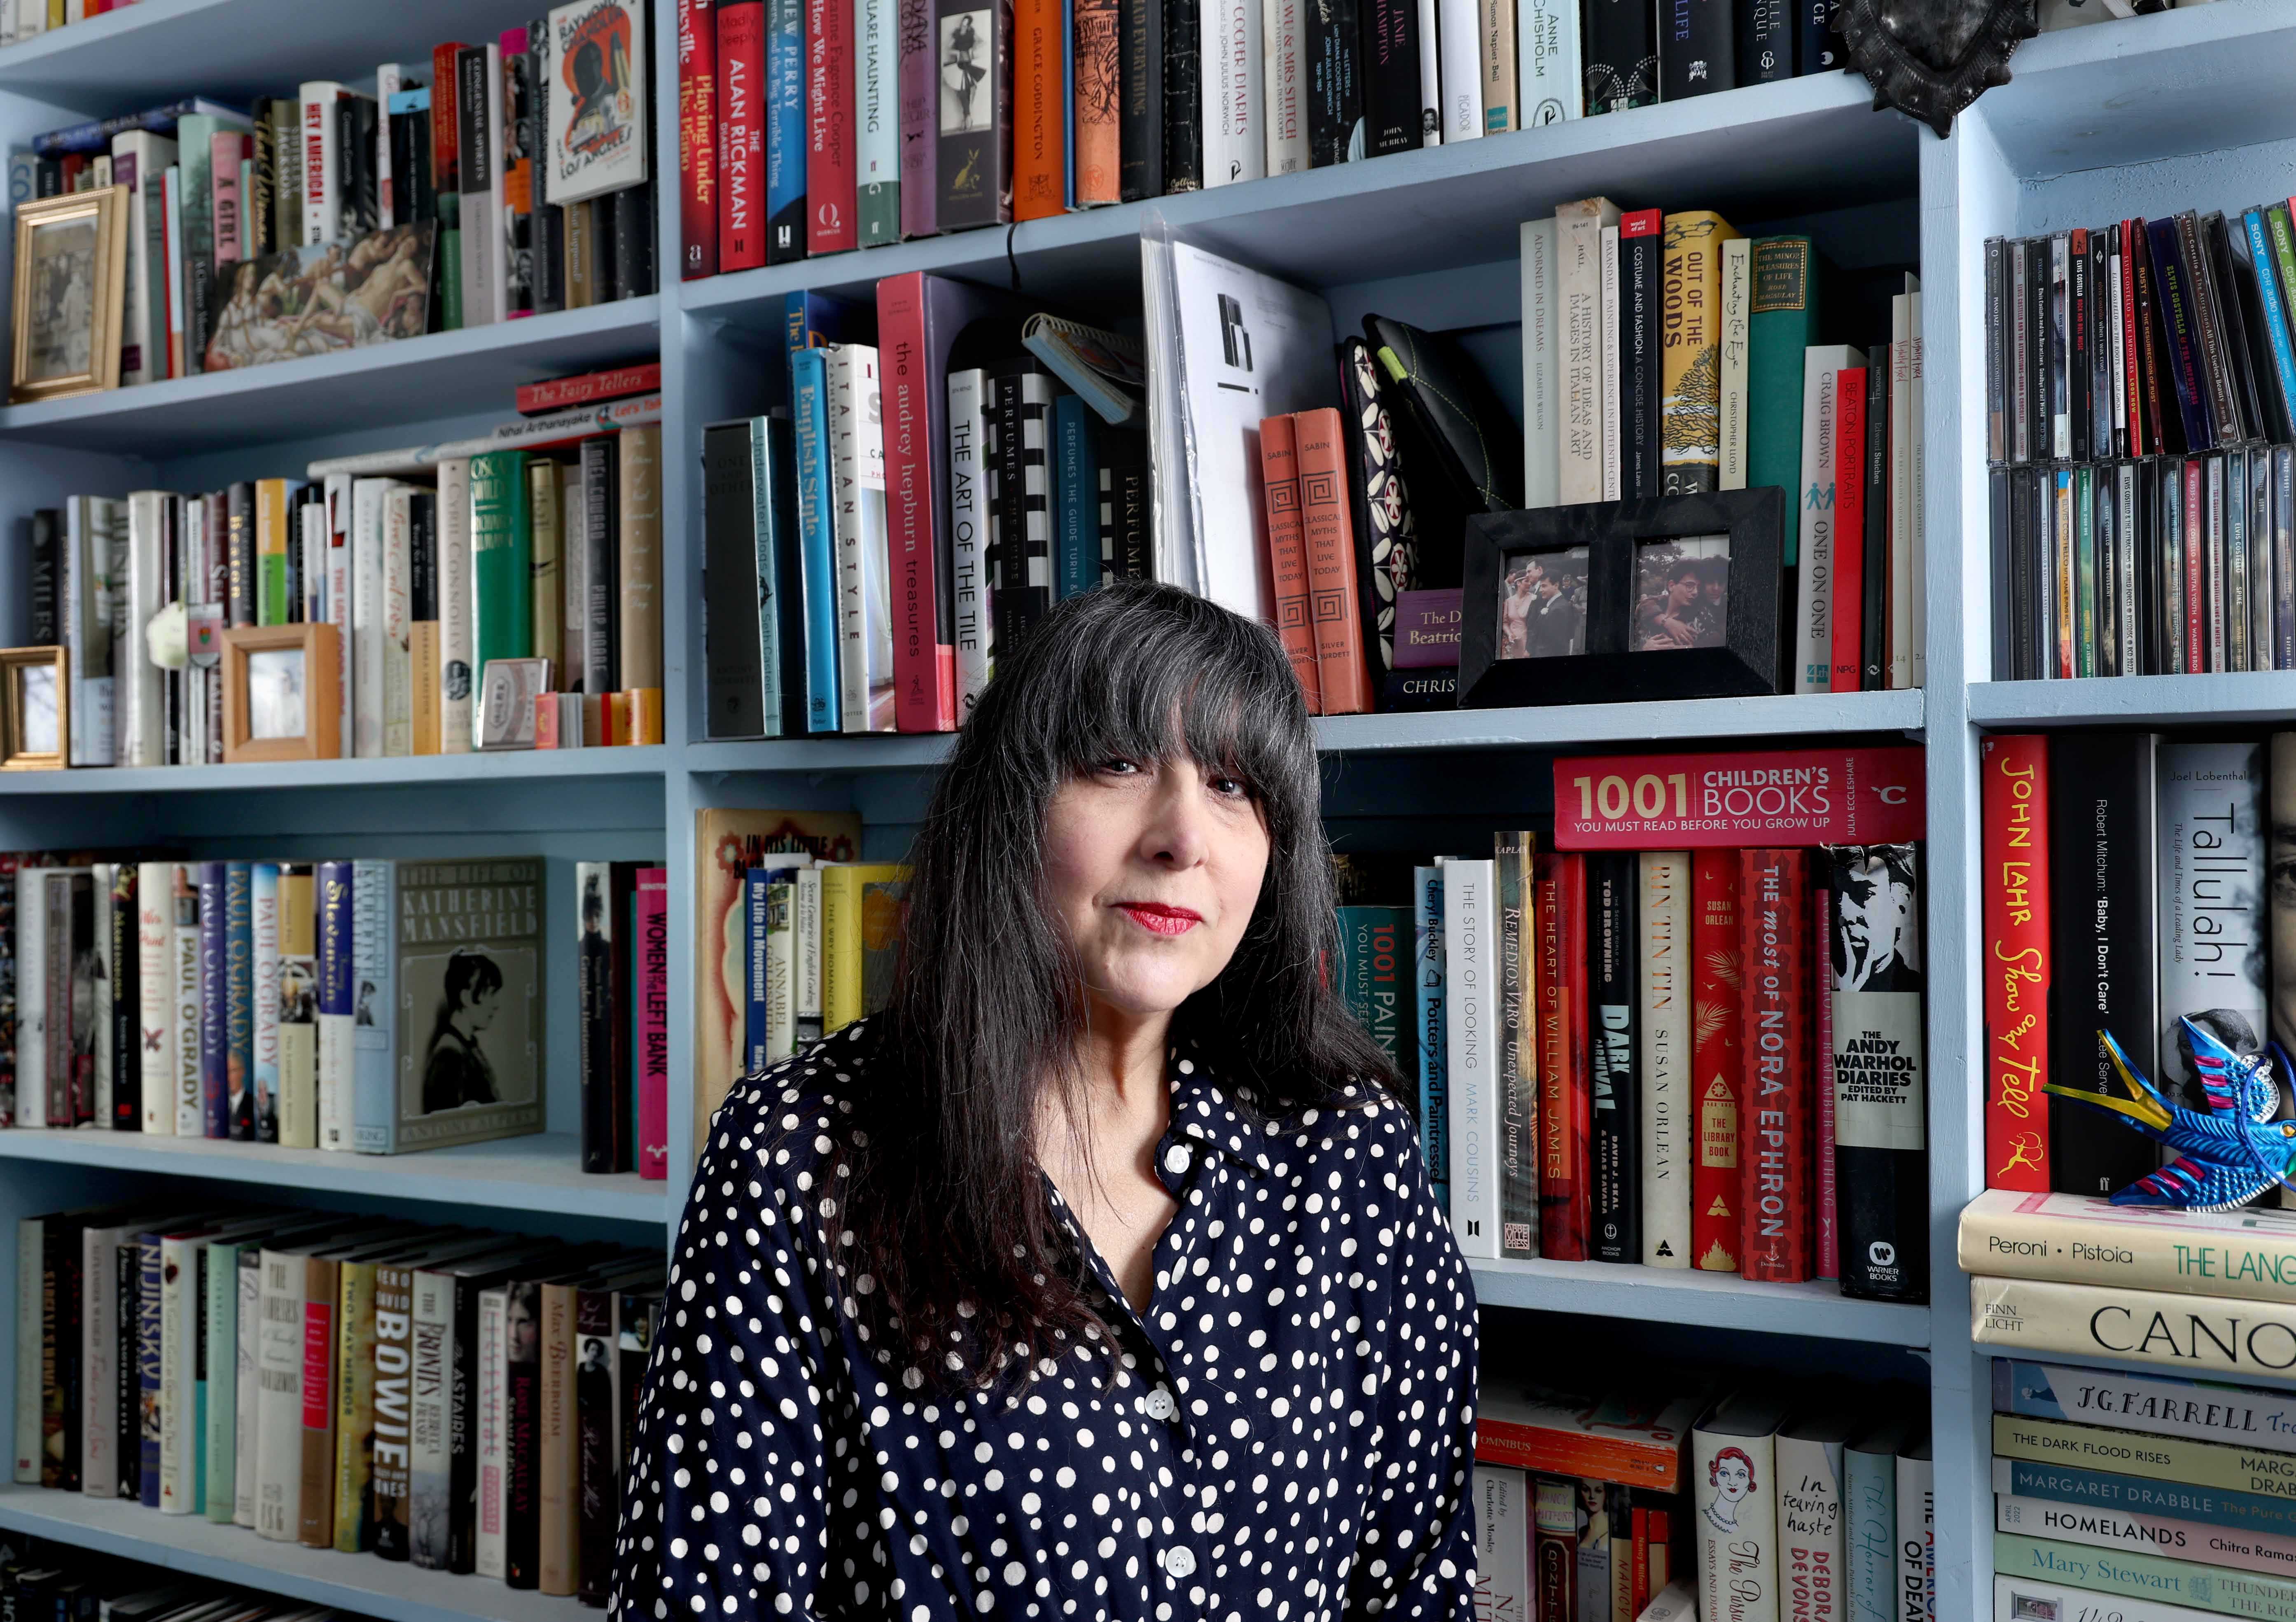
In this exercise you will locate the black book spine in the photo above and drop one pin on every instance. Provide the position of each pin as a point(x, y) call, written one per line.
point(1140, 131)
point(1621, 41)
point(1765, 41)
point(1874, 641)
point(633, 239)
point(239, 553)
point(1816, 46)
point(353, 177)
point(601, 568)
point(462, 1426)
point(1386, 538)
point(1392, 120)
point(2024, 546)
point(259, 209)
point(2017, 351)
point(1641, 269)
point(593, 991)
point(1613, 1000)
point(522, 1450)
point(126, 1035)
point(2039, 428)
point(733, 597)
point(126, 1276)
point(596, 1422)
point(49, 171)
point(199, 287)
point(1696, 51)
point(2004, 576)
point(1184, 119)
point(1880, 1140)
point(781, 504)
point(2146, 537)
point(1335, 93)
point(48, 524)
point(2079, 335)
point(521, 173)
point(2102, 940)
point(605, 264)
point(549, 231)
point(2104, 316)
point(2238, 302)
point(2216, 375)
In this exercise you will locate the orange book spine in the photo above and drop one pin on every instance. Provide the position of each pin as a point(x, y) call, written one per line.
point(1099, 102)
point(1558, 1453)
point(1332, 563)
point(1287, 554)
point(1040, 118)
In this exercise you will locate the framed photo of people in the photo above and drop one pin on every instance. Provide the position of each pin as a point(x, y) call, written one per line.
point(1667, 597)
point(71, 291)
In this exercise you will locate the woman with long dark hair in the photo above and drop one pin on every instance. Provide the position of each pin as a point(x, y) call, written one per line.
point(1098, 1275)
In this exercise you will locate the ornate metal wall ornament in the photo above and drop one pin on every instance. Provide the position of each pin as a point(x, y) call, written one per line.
point(1932, 58)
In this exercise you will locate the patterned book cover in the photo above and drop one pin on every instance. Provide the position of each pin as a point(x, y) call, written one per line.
point(1386, 537)
point(1718, 1068)
point(975, 115)
point(1690, 368)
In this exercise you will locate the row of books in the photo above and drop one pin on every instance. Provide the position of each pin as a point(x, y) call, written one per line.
point(820, 940)
point(430, 576)
point(373, 1006)
point(2144, 568)
point(1666, 354)
point(2128, 887)
point(807, 126)
point(1744, 1506)
point(529, 155)
point(41, 1581)
point(460, 1399)
point(2139, 1496)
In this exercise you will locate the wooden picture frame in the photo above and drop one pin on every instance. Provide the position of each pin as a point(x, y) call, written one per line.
point(281, 708)
point(70, 294)
point(42, 676)
point(1612, 554)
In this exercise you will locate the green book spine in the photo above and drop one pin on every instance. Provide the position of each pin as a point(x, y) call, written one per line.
point(2147, 1577)
point(879, 214)
point(2084, 570)
point(1780, 325)
point(1375, 946)
point(449, 262)
point(219, 1273)
point(502, 561)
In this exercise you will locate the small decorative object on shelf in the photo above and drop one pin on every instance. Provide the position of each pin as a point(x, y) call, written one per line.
point(1665, 597)
point(1931, 59)
point(2224, 1158)
point(506, 697)
point(281, 693)
point(34, 711)
point(71, 258)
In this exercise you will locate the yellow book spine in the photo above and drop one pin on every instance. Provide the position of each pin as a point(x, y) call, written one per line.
point(841, 946)
point(271, 552)
point(1690, 326)
point(354, 1529)
point(422, 655)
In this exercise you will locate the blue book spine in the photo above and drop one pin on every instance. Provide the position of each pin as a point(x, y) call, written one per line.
point(1813, 44)
point(1075, 478)
point(785, 207)
point(2134, 1495)
point(147, 1363)
point(1869, 1507)
point(809, 389)
point(1068, 103)
point(374, 1119)
point(1429, 1028)
point(763, 520)
point(214, 977)
point(2174, 302)
point(759, 881)
point(2275, 312)
point(239, 993)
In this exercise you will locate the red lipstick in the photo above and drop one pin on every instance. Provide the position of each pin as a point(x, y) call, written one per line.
point(1159, 919)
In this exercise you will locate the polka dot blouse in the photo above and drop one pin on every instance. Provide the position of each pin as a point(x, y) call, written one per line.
point(1288, 1434)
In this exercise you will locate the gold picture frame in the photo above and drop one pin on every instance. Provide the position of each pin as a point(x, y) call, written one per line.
point(35, 709)
point(281, 693)
point(72, 274)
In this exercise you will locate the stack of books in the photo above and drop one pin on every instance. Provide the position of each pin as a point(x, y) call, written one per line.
point(302, 1375)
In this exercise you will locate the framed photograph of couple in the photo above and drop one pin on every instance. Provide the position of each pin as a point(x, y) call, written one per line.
point(1667, 597)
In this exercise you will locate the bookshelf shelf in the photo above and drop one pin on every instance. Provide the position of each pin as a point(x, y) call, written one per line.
point(506, 766)
point(1705, 1300)
point(539, 1174)
point(389, 1591)
point(2254, 697)
point(405, 381)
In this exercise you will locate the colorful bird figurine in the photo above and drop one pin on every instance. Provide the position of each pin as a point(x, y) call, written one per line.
point(2226, 1158)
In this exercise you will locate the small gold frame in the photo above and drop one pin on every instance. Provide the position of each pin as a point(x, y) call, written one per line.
point(321, 696)
point(15, 663)
point(83, 281)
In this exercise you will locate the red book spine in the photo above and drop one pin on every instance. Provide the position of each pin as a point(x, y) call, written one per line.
point(1738, 800)
point(1825, 1263)
point(830, 195)
point(2131, 230)
point(697, 136)
point(1638, 1578)
point(1039, 110)
point(1559, 910)
point(1775, 905)
point(1848, 529)
point(446, 169)
point(1287, 554)
point(742, 135)
point(2196, 595)
point(1717, 1063)
point(1344, 679)
point(2014, 821)
point(558, 393)
point(925, 655)
point(652, 1064)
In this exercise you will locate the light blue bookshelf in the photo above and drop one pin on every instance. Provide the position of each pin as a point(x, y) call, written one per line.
point(2188, 108)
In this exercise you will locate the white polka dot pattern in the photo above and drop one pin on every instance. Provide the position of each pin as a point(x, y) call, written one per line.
point(1287, 1435)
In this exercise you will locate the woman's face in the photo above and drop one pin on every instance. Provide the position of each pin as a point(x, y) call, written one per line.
point(1153, 868)
point(1731, 1480)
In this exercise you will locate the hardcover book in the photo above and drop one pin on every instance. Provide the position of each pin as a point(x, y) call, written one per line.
point(1517, 1044)
point(1774, 912)
point(1734, 1484)
point(1666, 1059)
point(1469, 944)
point(2014, 834)
point(2210, 861)
point(1721, 801)
point(1879, 1139)
point(1716, 1074)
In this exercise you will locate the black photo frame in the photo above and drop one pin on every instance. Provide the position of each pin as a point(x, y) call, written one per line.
point(1749, 658)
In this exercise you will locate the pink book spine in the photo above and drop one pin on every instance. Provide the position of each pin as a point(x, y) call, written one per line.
point(1826, 1264)
point(920, 108)
point(223, 194)
point(653, 1023)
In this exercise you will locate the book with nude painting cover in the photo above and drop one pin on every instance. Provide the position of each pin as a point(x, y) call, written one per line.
point(320, 299)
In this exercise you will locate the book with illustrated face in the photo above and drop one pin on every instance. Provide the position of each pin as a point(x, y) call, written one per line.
point(596, 74)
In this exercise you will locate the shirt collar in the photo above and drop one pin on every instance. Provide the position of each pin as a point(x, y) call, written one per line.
point(1202, 1111)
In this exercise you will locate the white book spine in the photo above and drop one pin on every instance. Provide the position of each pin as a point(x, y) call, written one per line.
point(1546, 51)
point(31, 18)
point(430, 1342)
point(1901, 672)
point(1235, 146)
point(1733, 1482)
point(1811, 1553)
point(278, 1402)
point(780, 969)
point(140, 160)
point(323, 199)
point(184, 985)
point(311, 541)
point(864, 596)
point(1918, 506)
point(1580, 279)
point(454, 573)
point(1501, 1516)
point(1814, 615)
point(1542, 445)
point(1665, 981)
point(1431, 78)
point(1613, 463)
point(263, 912)
point(31, 1009)
point(340, 489)
point(249, 1386)
point(807, 927)
point(99, 1370)
point(1737, 312)
point(1459, 50)
point(387, 81)
point(968, 518)
point(30, 1241)
point(1916, 1540)
point(484, 261)
point(398, 656)
point(876, 55)
point(369, 496)
point(155, 885)
point(1283, 35)
point(179, 1374)
point(1470, 943)
point(2211, 912)
point(493, 1420)
point(2022, 1599)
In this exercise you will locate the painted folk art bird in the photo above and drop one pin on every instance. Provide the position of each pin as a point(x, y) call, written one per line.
point(2224, 1158)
